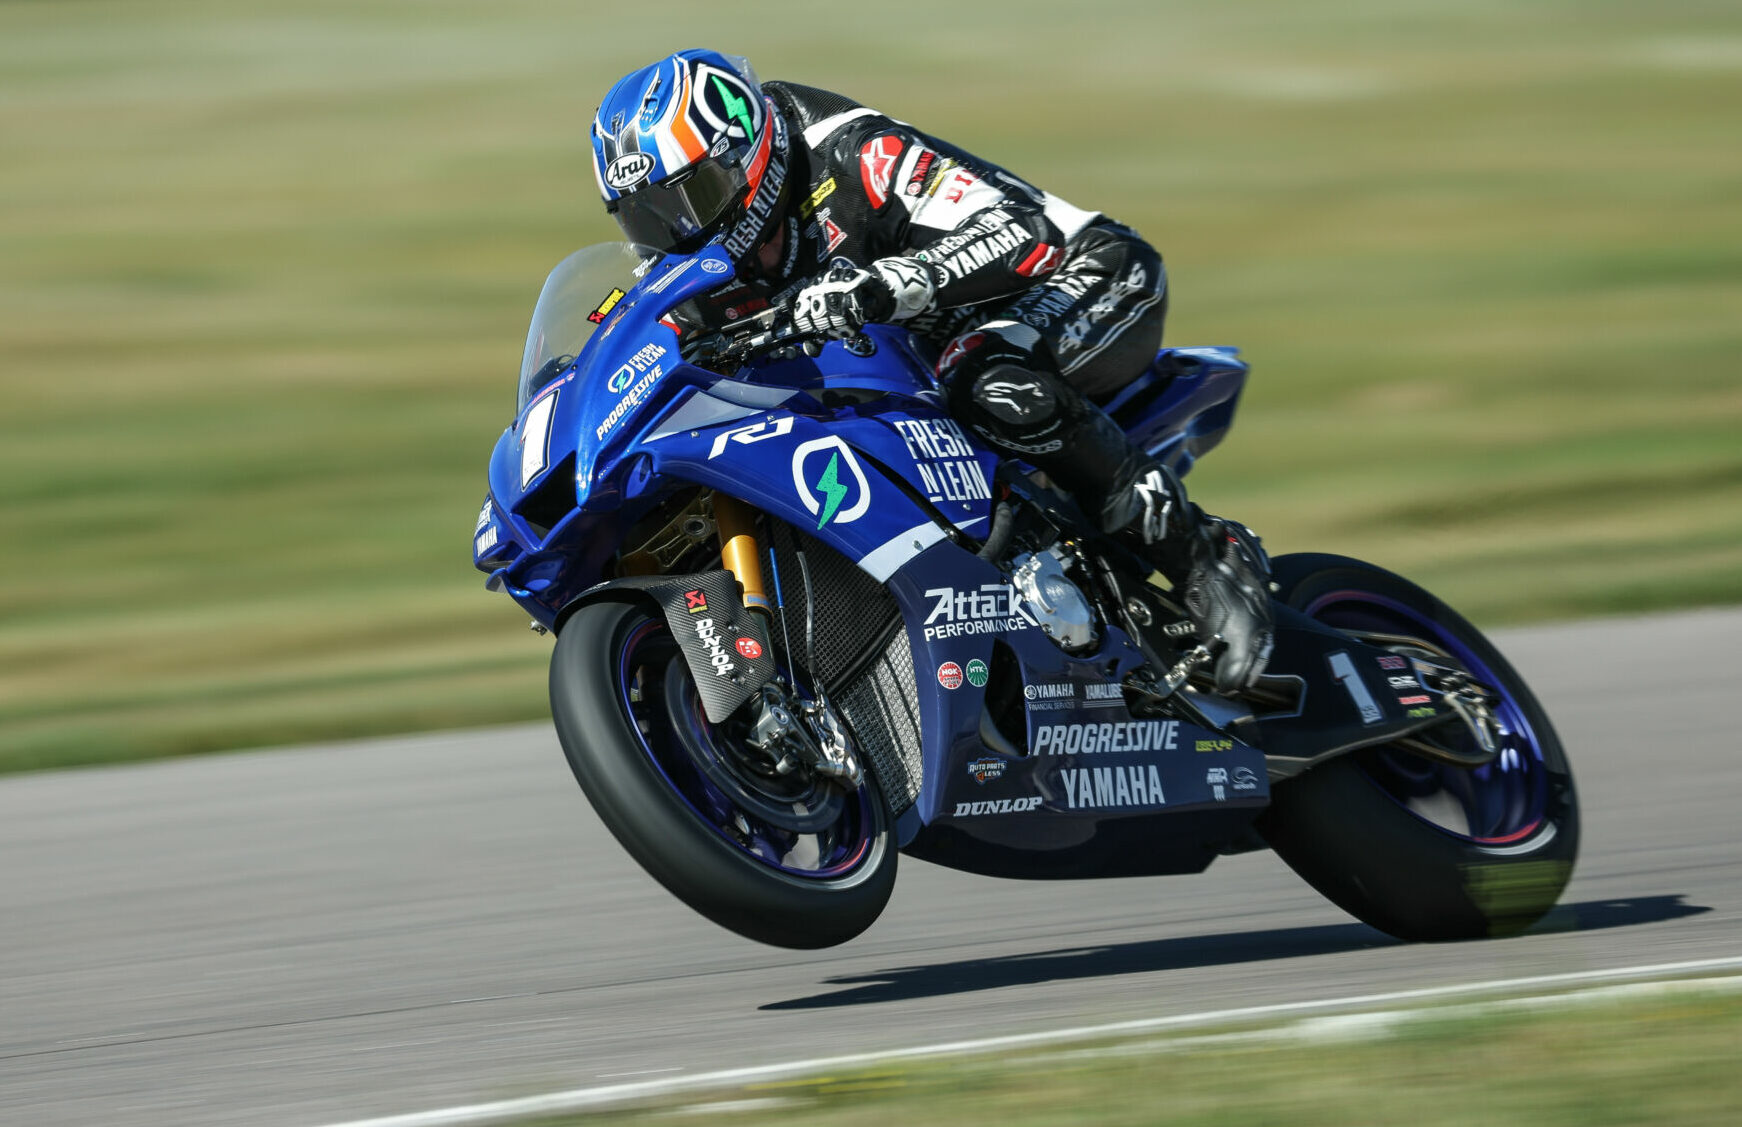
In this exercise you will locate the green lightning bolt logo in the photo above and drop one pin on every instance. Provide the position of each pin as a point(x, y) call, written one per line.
point(736, 108)
point(829, 485)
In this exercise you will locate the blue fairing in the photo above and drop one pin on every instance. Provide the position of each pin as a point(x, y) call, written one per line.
point(857, 451)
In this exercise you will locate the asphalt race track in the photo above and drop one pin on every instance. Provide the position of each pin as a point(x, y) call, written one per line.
point(321, 934)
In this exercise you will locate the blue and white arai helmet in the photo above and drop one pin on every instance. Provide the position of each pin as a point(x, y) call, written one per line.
point(690, 151)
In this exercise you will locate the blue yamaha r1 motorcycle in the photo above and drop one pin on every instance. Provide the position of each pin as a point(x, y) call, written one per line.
point(805, 621)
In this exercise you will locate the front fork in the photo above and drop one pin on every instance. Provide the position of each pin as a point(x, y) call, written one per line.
point(789, 729)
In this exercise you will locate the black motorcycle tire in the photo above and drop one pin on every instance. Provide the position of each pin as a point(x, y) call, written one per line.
point(669, 839)
point(1373, 858)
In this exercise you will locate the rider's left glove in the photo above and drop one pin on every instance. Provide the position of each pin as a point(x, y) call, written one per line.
point(846, 298)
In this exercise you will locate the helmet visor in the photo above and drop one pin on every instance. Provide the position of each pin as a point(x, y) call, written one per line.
point(680, 214)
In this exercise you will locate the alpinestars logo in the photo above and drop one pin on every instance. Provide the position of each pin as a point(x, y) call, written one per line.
point(877, 167)
point(827, 475)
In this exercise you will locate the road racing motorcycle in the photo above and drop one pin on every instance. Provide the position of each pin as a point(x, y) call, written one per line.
point(805, 621)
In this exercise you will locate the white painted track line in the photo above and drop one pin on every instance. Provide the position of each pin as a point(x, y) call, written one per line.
point(582, 1099)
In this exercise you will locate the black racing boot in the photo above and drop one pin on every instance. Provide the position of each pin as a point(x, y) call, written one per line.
point(1217, 566)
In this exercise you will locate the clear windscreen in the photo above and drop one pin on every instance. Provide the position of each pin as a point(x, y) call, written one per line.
point(577, 297)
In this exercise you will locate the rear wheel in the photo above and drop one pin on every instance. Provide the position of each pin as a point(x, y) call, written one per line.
point(1415, 847)
point(791, 860)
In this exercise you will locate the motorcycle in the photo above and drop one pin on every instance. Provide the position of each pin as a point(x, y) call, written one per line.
point(805, 622)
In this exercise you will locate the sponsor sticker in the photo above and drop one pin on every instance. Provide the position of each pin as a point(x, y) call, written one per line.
point(946, 461)
point(1105, 739)
point(1403, 681)
point(826, 473)
point(832, 235)
point(1244, 778)
point(1393, 662)
point(714, 266)
point(610, 303)
point(1414, 700)
point(823, 192)
point(922, 165)
point(985, 769)
point(1213, 745)
point(1094, 788)
point(996, 806)
point(977, 673)
point(695, 602)
point(950, 675)
point(1421, 713)
point(715, 647)
point(750, 648)
point(994, 609)
point(1103, 694)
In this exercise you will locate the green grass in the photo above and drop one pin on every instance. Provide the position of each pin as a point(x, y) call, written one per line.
point(1652, 1063)
point(265, 268)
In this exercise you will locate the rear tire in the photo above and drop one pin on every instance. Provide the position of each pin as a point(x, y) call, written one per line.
point(625, 711)
point(1417, 849)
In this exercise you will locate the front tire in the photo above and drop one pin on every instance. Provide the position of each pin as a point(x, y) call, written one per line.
point(762, 856)
point(1419, 849)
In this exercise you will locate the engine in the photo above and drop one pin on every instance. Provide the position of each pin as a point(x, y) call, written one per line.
point(1059, 605)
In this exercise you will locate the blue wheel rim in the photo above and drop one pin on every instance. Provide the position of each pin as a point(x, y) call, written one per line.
point(1501, 805)
point(824, 853)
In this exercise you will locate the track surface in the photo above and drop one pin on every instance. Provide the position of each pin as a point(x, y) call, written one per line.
point(310, 935)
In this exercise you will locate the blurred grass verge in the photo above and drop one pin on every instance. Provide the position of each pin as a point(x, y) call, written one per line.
point(265, 267)
point(1656, 1063)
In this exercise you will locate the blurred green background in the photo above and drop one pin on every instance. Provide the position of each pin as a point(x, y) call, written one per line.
point(265, 269)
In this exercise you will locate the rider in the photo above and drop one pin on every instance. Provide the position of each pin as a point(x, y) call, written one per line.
point(1034, 305)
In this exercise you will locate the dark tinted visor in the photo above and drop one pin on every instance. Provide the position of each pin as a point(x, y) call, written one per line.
point(680, 214)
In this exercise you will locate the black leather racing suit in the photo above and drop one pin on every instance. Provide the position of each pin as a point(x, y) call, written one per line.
point(1036, 304)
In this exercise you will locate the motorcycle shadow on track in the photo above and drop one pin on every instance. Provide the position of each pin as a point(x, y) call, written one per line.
point(1184, 952)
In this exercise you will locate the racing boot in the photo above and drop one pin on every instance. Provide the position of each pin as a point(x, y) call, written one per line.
point(1216, 565)
point(1008, 395)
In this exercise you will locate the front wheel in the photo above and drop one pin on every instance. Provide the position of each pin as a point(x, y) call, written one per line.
point(789, 860)
point(1418, 848)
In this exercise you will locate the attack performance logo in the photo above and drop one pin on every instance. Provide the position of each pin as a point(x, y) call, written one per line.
point(830, 482)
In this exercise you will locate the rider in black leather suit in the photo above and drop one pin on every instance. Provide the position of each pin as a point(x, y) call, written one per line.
point(1033, 305)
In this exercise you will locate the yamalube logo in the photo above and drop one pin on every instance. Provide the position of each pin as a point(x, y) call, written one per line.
point(829, 481)
point(628, 169)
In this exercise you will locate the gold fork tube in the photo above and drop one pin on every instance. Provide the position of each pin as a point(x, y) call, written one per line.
point(739, 553)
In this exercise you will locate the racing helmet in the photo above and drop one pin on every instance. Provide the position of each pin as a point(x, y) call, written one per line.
point(689, 151)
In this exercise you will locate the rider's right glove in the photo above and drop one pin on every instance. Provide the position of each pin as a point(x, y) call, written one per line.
point(846, 298)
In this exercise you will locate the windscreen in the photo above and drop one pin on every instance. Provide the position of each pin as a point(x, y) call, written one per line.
point(577, 297)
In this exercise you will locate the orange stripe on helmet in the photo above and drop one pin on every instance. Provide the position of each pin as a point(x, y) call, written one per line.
point(759, 162)
point(681, 131)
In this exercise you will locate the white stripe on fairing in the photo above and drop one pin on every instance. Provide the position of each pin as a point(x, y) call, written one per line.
point(890, 556)
point(580, 1099)
point(887, 558)
point(819, 132)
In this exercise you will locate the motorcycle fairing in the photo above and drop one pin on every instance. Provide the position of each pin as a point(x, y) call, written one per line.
point(1057, 809)
point(829, 447)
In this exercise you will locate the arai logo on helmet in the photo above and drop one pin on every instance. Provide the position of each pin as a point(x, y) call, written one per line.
point(628, 169)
